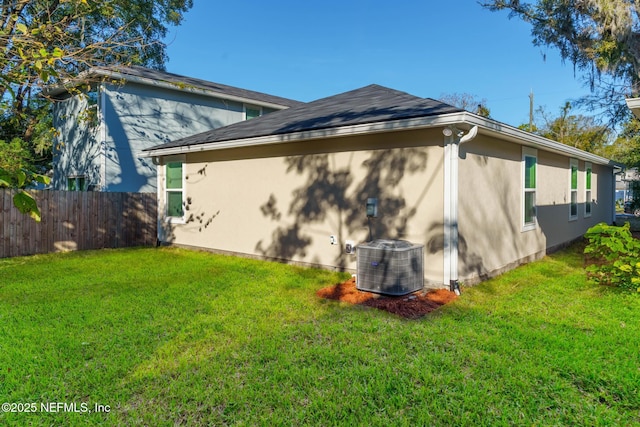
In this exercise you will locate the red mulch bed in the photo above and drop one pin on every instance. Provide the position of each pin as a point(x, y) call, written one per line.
point(411, 306)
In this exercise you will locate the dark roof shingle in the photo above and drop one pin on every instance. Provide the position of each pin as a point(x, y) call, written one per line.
point(369, 104)
point(181, 81)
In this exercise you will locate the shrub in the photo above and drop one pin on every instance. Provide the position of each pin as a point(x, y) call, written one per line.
point(613, 256)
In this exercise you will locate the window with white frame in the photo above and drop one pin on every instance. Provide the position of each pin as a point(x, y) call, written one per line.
point(587, 193)
point(529, 185)
point(174, 201)
point(573, 189)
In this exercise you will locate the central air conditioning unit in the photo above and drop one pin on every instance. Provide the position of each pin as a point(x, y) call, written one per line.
point(390, 267)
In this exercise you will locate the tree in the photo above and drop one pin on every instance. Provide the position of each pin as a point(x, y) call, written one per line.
point(467, 102)
point(600, 37)
point(49, 42)
point(626, 147)
point(578, 131)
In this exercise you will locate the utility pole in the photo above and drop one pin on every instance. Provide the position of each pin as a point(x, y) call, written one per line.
point(531, 111)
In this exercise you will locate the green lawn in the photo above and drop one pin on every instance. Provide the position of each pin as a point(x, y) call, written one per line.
point(173, 337)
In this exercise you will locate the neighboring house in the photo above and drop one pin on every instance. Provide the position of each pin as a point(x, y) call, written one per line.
point(634, 106)
point(111, 114)
point(624, 191)
point(481, 196)
point(624, 181)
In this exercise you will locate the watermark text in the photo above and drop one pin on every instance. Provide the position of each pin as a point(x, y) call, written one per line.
point(55, 407)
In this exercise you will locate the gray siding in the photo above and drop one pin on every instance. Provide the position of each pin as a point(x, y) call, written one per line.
point(139, 117)
point(135, 117)
point(77, 149)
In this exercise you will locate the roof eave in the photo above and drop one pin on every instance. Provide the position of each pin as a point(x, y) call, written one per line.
point(335, 132)
point(510, 133)
point(634, 106)
point(464, 120)
point(97, 74)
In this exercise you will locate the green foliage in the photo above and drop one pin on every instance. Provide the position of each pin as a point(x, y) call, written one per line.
point(626, 148)
point(22, 199)
point(614, 256)
point(47, 42)
point(44, 42)
point(575, 130)
point(26, 135)
point(14, 156)
point(600, 38)
point(528, 128)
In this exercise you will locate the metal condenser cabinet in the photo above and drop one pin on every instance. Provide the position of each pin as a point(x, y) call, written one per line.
point(390, 267)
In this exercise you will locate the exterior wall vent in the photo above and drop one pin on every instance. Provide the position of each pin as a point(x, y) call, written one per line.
point(390, 267)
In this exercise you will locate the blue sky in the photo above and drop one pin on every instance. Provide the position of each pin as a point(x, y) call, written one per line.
point(306, 50)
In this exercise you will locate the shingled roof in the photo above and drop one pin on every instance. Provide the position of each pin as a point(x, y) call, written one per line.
point(178, 82)
point(370, 104)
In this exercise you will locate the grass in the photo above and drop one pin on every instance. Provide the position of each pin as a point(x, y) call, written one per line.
point(173, 337)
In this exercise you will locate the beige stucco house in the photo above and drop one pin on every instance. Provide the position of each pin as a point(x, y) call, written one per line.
point(293, 185)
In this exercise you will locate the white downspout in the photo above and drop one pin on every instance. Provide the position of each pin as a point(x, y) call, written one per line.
point(447, 215)
point(160, 197)
point(453, 139)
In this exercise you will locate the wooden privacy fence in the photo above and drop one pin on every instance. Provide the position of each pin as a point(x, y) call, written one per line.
point(76, 221)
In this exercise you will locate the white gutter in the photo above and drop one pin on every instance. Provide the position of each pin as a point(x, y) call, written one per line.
point(634, 106)
point(463, 120)
point(447, 247)
point(453, 139)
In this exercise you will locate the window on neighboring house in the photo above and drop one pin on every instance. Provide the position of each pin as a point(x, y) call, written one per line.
point(175, 189)
point(252, 112)
point(76, 183)
point(573, 207)
point(587, 193)
point(530, 162)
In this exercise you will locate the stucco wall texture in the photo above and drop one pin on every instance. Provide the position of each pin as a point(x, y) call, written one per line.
point(285, 201)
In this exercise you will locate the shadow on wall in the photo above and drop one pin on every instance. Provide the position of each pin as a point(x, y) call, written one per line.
point(77, 150)
point(490, 235)
point(470, 262)
point(122, 173)
point(132, 127)
point(197, 219)
point(331, 195)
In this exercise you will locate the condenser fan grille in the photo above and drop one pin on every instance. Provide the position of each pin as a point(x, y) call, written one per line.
point(390, 267)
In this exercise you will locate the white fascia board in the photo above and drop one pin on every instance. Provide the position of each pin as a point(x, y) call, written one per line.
point(462, 120)
point(336, 132)
point(634, 106)
point(87, 76)
point(513, 134)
